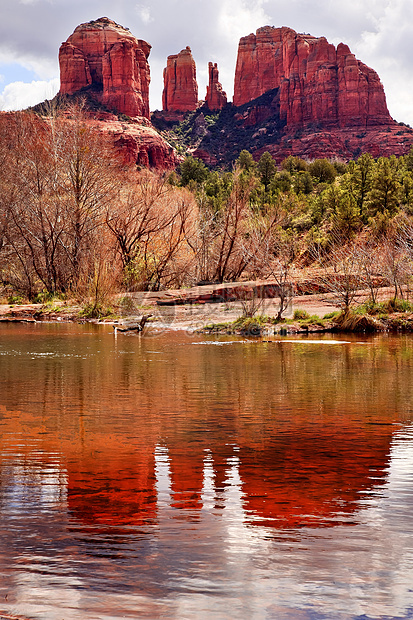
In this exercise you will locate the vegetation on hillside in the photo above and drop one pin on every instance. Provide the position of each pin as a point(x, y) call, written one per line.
point(225, 133)
point(74, 221)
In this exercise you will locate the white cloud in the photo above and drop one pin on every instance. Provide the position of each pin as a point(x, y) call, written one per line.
point(236, 19)
point(144, 13)
point(20, 95)
point(387, 47)
point(379, 32)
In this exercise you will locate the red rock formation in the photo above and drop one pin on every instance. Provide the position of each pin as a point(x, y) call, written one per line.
point(106, 56)
point(180, 93)
point(140, 144)
point(318, 83)
point(343, 143)
point(215, 98)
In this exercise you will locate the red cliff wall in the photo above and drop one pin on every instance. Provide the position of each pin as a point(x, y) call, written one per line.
point(180, 93)
point(318, 83)
point(108, 56)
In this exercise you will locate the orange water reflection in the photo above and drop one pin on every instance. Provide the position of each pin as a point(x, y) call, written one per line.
point(306, 451)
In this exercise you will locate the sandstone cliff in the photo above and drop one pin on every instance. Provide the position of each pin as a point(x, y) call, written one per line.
point(109, 66)
point(215, 98)
point(180, 93)
point(317, 83)
point(139, 144)
point(107, 58)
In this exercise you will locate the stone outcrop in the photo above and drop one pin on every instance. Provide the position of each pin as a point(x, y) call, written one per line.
point(139, 144)
point(107, 58)
point(317, 83)
point(215, 98)
point(344, 143)
point(180, 93)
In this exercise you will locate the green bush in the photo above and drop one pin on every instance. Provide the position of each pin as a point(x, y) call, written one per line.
point(384, 307)
point(15, 299)
point(300, 315)
point(95, 311)
point(331, 315)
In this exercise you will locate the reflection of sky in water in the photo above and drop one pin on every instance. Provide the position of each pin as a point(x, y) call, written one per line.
point(215, 565)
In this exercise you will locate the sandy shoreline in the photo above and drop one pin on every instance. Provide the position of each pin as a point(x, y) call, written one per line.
point(182, 315)
point(190, 316)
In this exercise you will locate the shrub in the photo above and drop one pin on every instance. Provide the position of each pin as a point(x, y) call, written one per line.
point(300, 315)
point(385, 307)
point(95, 311)
point(331, 315)
point(15, 299)
point(352, 321)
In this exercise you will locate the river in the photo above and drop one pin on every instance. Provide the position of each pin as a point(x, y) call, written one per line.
point(188, 477)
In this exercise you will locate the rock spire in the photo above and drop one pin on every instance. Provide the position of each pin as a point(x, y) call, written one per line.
point(216, 98)
point(180, 93)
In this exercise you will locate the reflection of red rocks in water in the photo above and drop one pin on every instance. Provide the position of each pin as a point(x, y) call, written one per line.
point(187, 477)
point(305, 477)
point(308, 479)
point(113, 491)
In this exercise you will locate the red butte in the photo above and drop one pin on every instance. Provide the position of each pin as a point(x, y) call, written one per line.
point(107, 58)
point(318, 83)
point(180, 93)
point(216, 98)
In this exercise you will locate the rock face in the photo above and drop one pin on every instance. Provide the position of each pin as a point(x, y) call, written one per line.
point(343, 143)
point(317, 82)
point(215, 98)
point(180, 93)
point(109, 60)
point(142, 145)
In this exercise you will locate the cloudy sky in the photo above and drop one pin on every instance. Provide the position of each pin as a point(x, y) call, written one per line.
point(379, 32)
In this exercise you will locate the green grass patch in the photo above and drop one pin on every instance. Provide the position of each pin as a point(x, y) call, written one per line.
point(51, 307)
point(246, 321)
point(93, 311)
point(45, 297)
point(384, 307)
point(305, 319)
point(218, 328)
point(15, 300)
point(300, 315)
point(331, 315)
point(312, 320)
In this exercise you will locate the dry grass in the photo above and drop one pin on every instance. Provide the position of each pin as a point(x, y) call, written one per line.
point(353, 322)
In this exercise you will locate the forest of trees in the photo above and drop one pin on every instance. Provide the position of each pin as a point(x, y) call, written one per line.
point(75, 221)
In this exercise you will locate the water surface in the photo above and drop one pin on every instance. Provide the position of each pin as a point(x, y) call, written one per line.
point(176, 476)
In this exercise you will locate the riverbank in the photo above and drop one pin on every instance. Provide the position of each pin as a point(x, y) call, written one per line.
point(239, 308)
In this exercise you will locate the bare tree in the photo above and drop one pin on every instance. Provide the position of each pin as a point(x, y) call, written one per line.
point(370, 260)
point(61, 175)
point(229, 263)
point(203, 242)
point(34, 224)
point(85, 183)
point(164, 255)
point(396, 265)
point(98, 277)
point(138, 213)
point(150, 222)
point(342, 272)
